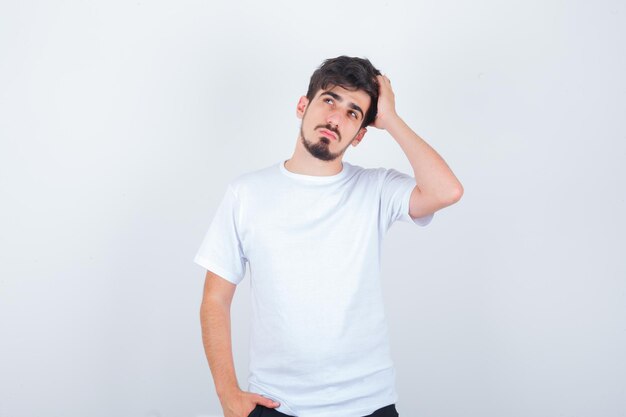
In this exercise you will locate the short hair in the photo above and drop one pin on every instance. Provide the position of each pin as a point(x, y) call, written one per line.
point(352, 74)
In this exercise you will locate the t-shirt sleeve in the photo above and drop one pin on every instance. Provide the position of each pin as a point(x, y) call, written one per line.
point(221, 249)
point(395, 198)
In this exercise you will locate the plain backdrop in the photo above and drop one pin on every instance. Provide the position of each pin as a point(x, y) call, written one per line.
point(121, 122)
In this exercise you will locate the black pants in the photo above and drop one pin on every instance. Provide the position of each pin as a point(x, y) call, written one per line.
point(262, 411)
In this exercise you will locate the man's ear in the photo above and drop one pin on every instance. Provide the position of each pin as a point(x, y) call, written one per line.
point(301, 107)
point(359, 136)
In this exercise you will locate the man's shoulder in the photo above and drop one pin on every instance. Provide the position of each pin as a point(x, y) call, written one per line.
point(362, 173)
point(254, 178)
point(378, 173)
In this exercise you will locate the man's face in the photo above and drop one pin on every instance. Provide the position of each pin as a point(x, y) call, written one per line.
point(332, 120)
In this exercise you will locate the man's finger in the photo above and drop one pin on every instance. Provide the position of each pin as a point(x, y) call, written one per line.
point(269, 402)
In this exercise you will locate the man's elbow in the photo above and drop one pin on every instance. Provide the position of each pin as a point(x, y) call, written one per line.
point(453, 195)
point(457, 193)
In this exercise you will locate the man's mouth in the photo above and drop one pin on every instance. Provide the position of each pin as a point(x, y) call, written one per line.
point(328, 134)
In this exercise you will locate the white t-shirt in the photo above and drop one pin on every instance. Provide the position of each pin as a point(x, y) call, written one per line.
point(319, 342)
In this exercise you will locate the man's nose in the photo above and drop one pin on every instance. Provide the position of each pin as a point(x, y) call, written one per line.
point(333, 118)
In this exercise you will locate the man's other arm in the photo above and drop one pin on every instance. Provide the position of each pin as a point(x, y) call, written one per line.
point(216, 338)
point(216, 332)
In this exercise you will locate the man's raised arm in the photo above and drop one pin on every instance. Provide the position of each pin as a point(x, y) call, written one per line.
point(437, 186)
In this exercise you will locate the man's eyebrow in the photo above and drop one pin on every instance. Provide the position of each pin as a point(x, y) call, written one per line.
point(340, 99)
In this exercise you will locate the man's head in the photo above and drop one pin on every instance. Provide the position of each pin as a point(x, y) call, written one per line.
point(341, 101)
point(352, 74)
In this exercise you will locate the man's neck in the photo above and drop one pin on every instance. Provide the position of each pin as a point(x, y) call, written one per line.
point(309, 165)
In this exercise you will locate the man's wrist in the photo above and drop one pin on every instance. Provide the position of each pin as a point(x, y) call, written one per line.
point(394, 124)
point(228, 392)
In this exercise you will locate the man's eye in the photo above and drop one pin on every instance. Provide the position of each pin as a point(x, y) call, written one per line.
point(328, 100)
point(353, 114)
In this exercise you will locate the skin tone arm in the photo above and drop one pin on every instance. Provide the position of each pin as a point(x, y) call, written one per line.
point(216, 337)
point(437, 187)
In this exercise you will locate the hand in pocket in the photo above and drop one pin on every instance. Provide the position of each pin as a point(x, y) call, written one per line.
point(243, 404)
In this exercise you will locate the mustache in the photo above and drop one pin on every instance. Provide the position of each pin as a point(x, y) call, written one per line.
point(331, 128)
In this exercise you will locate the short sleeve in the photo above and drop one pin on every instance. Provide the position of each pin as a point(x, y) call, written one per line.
point(395, 197)
point(221, 249)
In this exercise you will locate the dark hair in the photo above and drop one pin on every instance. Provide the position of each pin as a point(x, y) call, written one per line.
point(352, 74)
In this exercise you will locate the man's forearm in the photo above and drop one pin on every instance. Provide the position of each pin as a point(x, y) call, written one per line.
point(432, 174)
point(216, 337)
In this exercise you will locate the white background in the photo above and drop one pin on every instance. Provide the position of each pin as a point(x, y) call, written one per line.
point(122, 122)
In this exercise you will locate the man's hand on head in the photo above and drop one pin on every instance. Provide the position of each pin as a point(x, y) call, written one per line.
point(386, 104)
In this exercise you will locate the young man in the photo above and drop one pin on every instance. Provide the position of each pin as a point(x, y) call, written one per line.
point(310, 229)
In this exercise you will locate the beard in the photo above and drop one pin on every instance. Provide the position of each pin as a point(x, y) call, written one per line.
point(321, 148)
